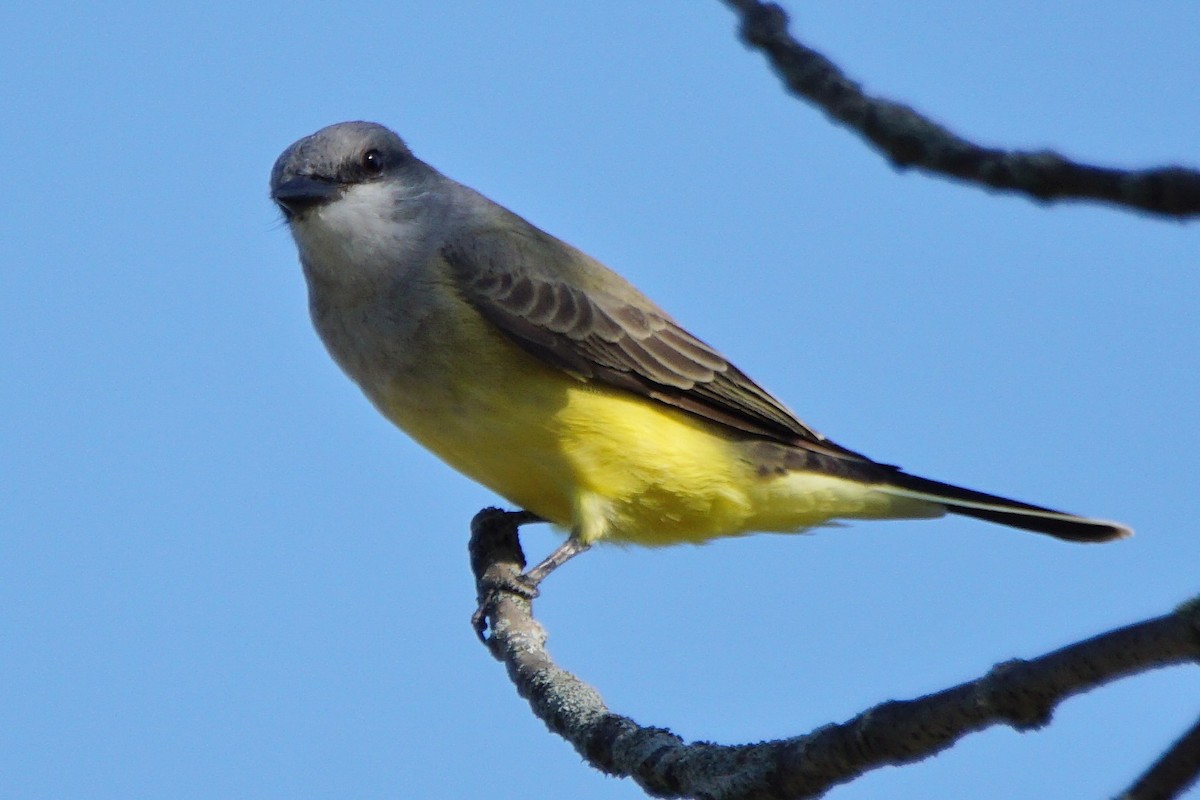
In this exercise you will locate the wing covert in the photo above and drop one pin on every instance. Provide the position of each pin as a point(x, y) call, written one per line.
point(610, 334)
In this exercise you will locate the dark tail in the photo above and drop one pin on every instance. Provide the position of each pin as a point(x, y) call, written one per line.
point(1003, 511)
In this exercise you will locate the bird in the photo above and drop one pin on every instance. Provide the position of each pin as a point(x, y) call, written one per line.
point(540, 373)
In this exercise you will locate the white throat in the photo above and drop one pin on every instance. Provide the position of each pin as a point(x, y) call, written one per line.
point(361, 234)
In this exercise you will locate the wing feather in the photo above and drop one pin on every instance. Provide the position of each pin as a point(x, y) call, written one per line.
point(530, 286)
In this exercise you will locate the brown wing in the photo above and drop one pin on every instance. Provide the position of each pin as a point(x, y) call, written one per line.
point(624, 342)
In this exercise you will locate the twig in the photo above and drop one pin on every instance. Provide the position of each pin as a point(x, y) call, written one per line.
point(1173, 773)
point(909, 139)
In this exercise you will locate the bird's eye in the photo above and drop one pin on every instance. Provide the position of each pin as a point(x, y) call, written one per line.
point(372, 162)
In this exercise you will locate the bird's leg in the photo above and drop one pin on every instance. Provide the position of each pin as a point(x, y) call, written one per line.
point(561, 555)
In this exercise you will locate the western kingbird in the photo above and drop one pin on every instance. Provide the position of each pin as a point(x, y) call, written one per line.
point(545, 376)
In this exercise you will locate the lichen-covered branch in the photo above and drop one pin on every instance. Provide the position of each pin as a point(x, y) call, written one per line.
point(1021, 694)
point(909, 139)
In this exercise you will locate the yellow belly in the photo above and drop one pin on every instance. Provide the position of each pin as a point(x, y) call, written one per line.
point(600, 462)
point(607, 464)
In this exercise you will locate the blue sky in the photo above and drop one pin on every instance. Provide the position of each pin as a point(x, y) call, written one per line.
point(223, 575)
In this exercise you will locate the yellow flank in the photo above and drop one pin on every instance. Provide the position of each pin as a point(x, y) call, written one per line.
point(607, 464)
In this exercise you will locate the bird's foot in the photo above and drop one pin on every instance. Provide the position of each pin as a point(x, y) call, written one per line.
point(497, 561)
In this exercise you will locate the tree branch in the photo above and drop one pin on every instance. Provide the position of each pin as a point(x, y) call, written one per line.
point(909, 139)
point(1173, 773)
point(1019, 693)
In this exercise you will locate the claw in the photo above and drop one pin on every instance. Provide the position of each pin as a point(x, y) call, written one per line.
point(497, 577)
point(525, 584)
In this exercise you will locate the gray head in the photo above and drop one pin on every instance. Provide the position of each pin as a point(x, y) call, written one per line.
point(320, 168)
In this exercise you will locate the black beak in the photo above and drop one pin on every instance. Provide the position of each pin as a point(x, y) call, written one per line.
point(301, 193)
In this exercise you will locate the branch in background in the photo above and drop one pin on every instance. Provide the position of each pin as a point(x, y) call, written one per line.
point(909, 139)
point(1021, 694)
point(1173, 773)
